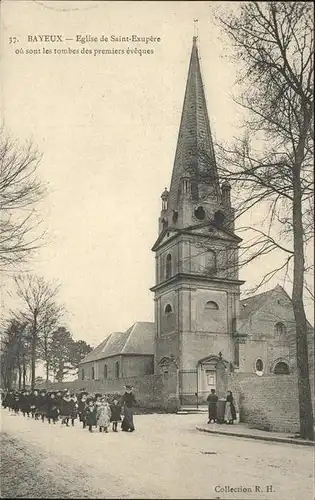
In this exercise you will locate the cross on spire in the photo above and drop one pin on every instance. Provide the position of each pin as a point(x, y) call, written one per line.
point(195, 30)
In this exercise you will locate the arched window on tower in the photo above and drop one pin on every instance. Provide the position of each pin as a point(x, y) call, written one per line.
point(168, 319)
point(280, 329)
point(211, 305)
point(117, 369)
point(168, 309)
point(219, 218)
point(168, 270)
point(105, 371)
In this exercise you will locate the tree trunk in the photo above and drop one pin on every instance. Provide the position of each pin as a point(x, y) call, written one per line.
point(10, 378)
point(5, 374)
point(33, 352)
point(24, 372)
point(47, 373)
point(60, 373)
point(19, 359)
point(20, 376)
point(9, 369)
point(304, 389)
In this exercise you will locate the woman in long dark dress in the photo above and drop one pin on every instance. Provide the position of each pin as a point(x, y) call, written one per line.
point(212, 406)
point(128, 401)
point(230, 412)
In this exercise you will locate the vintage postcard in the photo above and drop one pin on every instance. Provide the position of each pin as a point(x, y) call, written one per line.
point(156, 249)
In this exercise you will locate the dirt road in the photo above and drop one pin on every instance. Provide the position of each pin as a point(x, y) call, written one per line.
point(165, 458)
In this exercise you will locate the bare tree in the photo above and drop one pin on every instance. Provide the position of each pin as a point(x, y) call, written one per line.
point(46, 338)
point(20, 191)
point(272, 164)
point(9, 346)
point(14, 352)
point(39, 309)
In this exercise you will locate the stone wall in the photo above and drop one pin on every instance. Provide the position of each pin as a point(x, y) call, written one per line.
point(151, 391)
point(128, 366)
point(269, 402)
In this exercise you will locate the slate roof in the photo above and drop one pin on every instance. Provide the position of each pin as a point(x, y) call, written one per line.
point(194, 135)
point(138, 339)
point(251, 304)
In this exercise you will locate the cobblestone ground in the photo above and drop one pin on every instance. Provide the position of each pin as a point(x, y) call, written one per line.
point(165, 458)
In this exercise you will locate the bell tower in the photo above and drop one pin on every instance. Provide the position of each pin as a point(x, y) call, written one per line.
point(197, 287)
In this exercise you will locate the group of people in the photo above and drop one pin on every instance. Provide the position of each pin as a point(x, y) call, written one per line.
point(92, 410)
point(229, 411)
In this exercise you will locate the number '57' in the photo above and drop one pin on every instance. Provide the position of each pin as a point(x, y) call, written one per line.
point(13, 39)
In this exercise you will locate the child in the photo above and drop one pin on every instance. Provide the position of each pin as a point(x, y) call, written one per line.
point(90, 414)
point(58, 399)
point(65, 411)
point(16, 403)
point(103, 414)
point(74, 408)
point(41, 409)
point(98, 399)
point(115, 414)
point(24, 403)
point(81, 409)
point(33, 401)
point(52, 409)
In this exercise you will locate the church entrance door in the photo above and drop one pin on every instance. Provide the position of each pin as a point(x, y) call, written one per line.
point(211, 375)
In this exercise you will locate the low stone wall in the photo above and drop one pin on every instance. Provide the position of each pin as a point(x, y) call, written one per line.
point(268, 402)
point(151, 391)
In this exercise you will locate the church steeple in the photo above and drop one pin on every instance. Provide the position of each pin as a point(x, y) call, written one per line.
point(196, 290)
point(194, 158)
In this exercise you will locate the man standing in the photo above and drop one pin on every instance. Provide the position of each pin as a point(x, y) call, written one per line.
point(128, 401)
point(212, 406)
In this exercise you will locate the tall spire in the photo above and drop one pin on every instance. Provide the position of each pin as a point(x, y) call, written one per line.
point(194, 156)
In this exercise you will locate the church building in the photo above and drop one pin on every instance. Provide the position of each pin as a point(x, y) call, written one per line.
point(201, 328)
point(197, 286)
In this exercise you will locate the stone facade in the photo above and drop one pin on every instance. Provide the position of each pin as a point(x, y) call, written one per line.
point(151, 391)
point(269, 402)
point(271, 333)
point(121, 354)
point(116, 367)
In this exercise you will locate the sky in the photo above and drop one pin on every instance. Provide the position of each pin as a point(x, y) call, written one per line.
point(107, 126)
